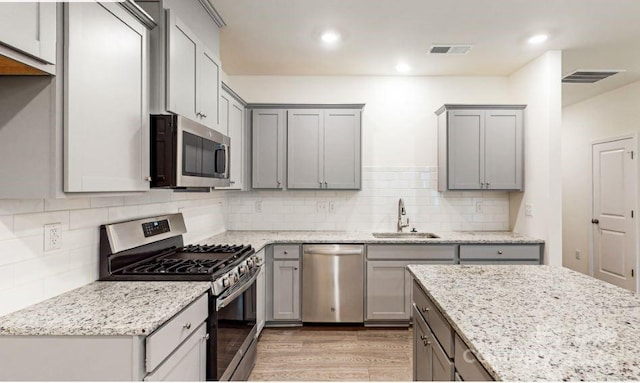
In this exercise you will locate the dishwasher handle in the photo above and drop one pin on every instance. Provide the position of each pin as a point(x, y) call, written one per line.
point(334, 250)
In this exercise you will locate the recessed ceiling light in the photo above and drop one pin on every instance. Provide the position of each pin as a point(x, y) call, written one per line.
point(538, 39)
point(403, 67)
point(330, 37)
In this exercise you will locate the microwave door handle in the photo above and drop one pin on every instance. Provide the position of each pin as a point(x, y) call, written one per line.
point(227, 157)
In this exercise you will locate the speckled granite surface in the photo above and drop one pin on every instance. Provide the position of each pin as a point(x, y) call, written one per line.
point(105, 308)
point(259, 239)
point(539, 322)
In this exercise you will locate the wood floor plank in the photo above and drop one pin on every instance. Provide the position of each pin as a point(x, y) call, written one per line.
point(333, 354)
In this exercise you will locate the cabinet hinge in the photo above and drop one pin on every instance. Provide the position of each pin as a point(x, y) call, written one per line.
point(632, 153)
point(632, 214)
point(632, 272)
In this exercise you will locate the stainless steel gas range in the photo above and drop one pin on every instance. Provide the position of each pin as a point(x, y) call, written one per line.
point(152, 249)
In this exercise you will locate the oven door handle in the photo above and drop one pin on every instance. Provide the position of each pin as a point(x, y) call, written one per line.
point(223, 303)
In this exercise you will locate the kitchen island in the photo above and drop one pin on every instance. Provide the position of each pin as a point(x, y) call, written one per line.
point(532, 323)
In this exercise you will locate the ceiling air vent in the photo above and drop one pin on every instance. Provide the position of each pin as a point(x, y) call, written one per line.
point(585, 76)
point(450, 49)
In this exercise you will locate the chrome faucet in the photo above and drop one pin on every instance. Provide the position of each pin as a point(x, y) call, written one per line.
point(403, 220)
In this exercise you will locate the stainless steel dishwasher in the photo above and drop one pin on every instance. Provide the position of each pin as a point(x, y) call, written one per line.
point(333, 283)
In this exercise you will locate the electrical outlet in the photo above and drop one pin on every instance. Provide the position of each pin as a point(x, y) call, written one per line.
point(258, 207)
point(52, 237)
point(478, 206)
point(577, 254)
point(332, 207)
point(528, 210)
point(322, 206)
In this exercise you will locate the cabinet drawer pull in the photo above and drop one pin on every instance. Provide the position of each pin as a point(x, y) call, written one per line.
point(285, 252)
point(425, 309)
point(422, 337)
point(295, 268)
point(187, 325)
point(426, 343)
point(500, 252)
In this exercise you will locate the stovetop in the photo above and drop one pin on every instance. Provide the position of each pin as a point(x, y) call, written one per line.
point(192, 260)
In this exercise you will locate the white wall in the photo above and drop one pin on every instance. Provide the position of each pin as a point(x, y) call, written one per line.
point(399, 127)
point(399, 133)
point(608, 115)
point(29, 275)
point(538, 85)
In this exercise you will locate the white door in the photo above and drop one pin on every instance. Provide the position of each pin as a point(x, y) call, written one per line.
point(614, 237)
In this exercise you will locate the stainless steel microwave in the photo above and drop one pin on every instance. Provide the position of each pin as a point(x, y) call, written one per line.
point(186, 154)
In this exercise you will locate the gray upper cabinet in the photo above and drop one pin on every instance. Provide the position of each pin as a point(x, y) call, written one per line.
point(480, 147)
point(268, 148)
point(27, 36)
point(304, 149)
point(112, 123)
point(193, 87)
point(232, 123)
point(324, 149)
point(342, 149)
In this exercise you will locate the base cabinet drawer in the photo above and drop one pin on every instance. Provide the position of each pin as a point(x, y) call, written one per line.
point(417, 252)
point(188, 363)
point(167, 338)
point(286, 252)
point(436, 321)
point(500, 252)
point(467, 365)
point(431, 363)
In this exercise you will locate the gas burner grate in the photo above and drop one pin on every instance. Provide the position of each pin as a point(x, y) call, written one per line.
point(170, 266)
point(226, 249)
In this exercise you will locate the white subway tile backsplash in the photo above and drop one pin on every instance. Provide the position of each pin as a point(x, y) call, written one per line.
point(67, 204)
point(6, 227)
point(373, 208)
point(18, 206)
point(28, 274)
point(79, 219)
point(25, 225)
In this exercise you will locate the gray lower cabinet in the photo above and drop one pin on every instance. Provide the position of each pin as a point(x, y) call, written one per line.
point(388, 283)
point(261, 287)
point(323, 150)
point(268, 148)
point(283, 284)
point(438, 352)
point(480, 147)
point(175, 352)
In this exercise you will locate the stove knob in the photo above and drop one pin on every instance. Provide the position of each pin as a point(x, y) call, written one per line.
point(225, 282)
point(235, 277)
point(250, 262)
point(242, 269)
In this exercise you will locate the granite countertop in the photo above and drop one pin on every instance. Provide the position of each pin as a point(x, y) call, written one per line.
point(105, 308)
point(527, 323)
point(259, 239)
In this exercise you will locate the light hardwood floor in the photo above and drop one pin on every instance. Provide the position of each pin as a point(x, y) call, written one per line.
point(333, 354)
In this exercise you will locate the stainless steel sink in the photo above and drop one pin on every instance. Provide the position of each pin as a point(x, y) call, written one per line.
point(405, 235)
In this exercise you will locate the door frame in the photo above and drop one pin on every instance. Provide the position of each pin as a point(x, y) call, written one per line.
point(634, 143)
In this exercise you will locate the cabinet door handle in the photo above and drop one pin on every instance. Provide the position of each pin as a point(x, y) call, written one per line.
point(285, 252)
point(326, 185)
point(232, 182)
point(187, 325)
point(425, 309)
point(427, 343)
point(488, 184)
point(422, 337)
point(206, 337)
point(295, 268)
point(278, 183)
point(147, 178)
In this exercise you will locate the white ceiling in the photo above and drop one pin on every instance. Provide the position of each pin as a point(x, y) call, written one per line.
point(281, 37)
